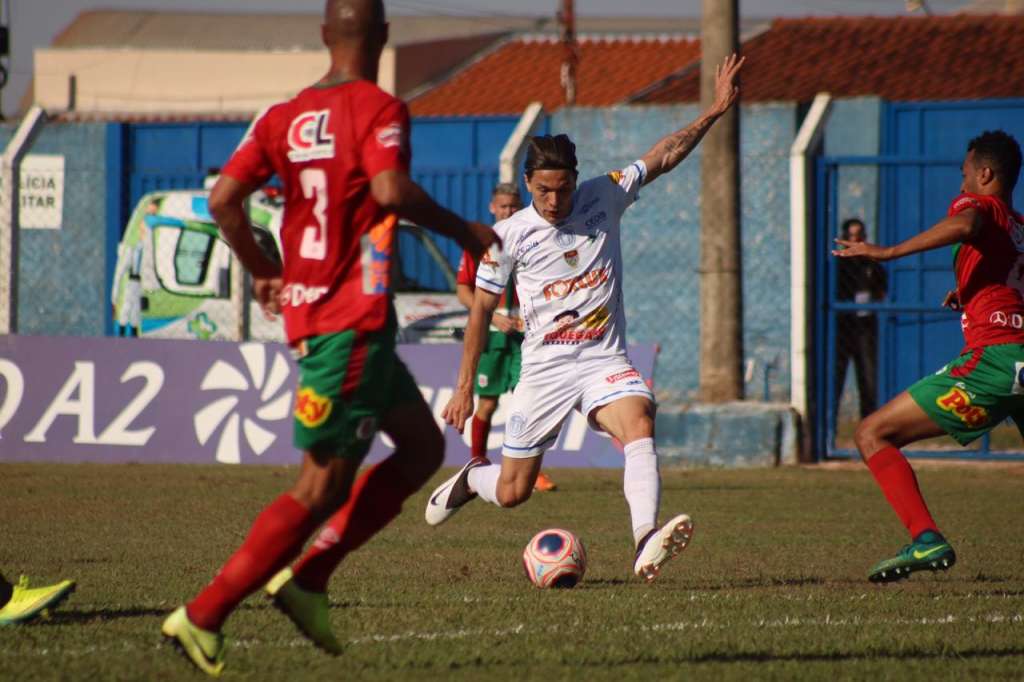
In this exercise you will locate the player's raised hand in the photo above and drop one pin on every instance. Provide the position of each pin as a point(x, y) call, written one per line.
point(458, 409)
point(727, 88)
point(861, 249)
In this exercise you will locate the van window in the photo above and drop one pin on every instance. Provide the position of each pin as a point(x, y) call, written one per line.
point(192, 257)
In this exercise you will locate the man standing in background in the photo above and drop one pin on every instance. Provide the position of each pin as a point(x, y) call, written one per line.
point(498, 371)
point(859, 280)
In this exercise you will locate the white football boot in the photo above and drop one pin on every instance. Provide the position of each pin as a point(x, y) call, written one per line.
point(448, 497)
point(661, 545)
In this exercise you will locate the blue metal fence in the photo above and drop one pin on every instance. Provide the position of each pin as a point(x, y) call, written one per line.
point(916, 335)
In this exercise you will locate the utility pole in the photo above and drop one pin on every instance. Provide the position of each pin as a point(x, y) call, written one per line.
point(570, 58)
point(721, 300)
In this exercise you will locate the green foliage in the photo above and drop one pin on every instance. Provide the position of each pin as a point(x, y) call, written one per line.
point(773, 587)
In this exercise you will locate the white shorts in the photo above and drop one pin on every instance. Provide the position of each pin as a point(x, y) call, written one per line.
point(548, 392)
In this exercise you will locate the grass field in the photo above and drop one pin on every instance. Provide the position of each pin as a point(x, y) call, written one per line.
point(773, 586)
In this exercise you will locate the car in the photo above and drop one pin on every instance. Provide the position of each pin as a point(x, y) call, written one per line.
point(184, 282)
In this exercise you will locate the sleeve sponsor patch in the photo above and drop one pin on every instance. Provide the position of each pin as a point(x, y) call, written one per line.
point(962, 203)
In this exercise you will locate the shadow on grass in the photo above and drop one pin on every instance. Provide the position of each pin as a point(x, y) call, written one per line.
point(67, 616)
point(769, 657)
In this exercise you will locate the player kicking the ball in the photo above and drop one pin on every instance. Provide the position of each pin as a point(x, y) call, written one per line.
point(982, 387)
point(498, 368)
point(566, 254)
point(341, 148)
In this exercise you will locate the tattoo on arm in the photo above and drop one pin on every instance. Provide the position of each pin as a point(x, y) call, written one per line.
point(672, 149)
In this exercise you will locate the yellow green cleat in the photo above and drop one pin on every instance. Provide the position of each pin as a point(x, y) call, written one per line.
point(928, 552)
point(28, 602)
point(204, 648)
point(308, 610)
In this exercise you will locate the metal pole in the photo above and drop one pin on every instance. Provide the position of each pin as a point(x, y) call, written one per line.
point(721, 302)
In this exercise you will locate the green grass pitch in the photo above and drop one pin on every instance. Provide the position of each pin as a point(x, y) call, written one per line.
point(773, 587)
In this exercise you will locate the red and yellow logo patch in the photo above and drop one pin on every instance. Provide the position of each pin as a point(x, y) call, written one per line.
point(958, 402)
point(311, 408)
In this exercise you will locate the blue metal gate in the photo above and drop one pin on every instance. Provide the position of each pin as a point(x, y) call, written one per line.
point(908, 188)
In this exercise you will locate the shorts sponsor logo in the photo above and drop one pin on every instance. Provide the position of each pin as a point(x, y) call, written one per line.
point(957, 401)
point(311, 408)
point(516, 424)
point(308, 137)
point(572, 258)
point(483, 380)
point(596, 219)
point(565, 238)
point(367, 428)
point(297, 294)
point(626, 374)
point(561, 288)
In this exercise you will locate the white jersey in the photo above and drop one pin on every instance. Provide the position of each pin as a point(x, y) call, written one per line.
point(568, 276)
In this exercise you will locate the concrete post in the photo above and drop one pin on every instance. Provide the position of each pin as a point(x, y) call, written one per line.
point(721, 309)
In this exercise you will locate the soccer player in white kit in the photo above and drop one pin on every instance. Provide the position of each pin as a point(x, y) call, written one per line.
point(564, 249)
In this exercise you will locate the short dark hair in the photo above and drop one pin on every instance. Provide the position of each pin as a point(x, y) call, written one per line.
point(507, 188)
point(850, 222)
point(550, 152)
point(1001, 152)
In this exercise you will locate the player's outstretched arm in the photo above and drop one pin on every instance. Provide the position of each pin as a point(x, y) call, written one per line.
point(672, 149)
point(962, 227)
point(227, 206)
point(460, 407)
point(395, 191)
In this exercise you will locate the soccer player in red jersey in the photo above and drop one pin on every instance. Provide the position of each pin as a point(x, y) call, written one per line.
point(341, 149)
point(498, 370)
point(982, 387)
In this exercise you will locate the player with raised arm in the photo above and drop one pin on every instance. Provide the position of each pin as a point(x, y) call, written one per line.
point(982, 387)
point(341, 150)
point(566, 254)
point(498, 369)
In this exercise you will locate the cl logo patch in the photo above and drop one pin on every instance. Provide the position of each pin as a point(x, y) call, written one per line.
point(958, 402)
point(311, 408)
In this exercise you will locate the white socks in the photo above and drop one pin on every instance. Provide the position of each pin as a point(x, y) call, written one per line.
point(642, 486)
point(483, 481)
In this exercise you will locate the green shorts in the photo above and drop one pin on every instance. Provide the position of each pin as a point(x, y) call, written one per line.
point(976, 392)
point(348, 381)
point(498, 370)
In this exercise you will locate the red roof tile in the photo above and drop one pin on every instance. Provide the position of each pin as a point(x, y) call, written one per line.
point(525, 69)
point(900, 58)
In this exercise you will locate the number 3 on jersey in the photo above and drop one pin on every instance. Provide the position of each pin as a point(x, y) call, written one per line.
point(314, 237)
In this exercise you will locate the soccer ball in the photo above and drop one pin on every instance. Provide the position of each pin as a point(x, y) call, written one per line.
point(555, 558)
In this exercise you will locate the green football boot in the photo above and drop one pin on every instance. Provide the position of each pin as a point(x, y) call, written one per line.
point(28, 602)
point(204, 648)
point(928, 552)
point(308, 610)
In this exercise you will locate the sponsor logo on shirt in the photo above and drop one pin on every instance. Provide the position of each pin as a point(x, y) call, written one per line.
point(564, 238)
point(1000, 318)
point(596, 219)
point(389, 136)
point(297, 294)
point(311, 408)
point(308, 137)
point(626, 374)
point(561, 288)
point(958, 401)
point(589, 205)
point(572, 258)
point(571, 330)
point(525, 249)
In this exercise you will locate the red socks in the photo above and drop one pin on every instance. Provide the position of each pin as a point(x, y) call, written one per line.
point(899, 484)
point(375, 500)
point(480, 431)
point(275, 539)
